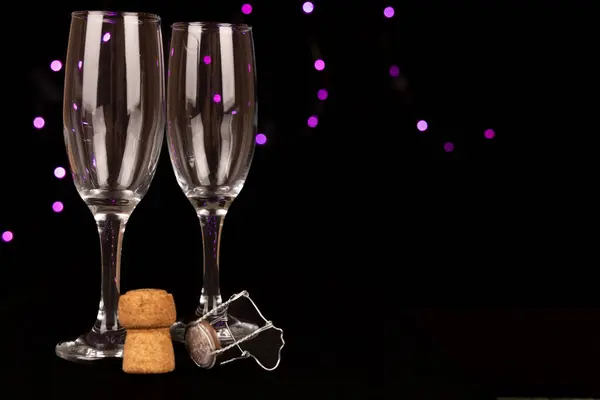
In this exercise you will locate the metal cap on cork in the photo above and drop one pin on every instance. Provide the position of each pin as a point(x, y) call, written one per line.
point(201, 340)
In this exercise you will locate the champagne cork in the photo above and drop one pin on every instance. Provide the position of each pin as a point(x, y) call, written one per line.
point(147, 315)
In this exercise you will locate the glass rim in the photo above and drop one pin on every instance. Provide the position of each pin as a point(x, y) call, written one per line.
point(212, 25)
point(142, 16)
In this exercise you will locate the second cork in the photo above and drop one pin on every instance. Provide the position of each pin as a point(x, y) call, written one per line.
point(147, 314)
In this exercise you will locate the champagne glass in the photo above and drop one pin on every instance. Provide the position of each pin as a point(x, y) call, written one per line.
point(114, 113)
point(211, 114)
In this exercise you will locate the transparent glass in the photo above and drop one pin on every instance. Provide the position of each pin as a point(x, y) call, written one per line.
point(114, 115)
point(211, 125)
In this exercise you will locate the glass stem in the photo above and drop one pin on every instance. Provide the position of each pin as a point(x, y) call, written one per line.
point(111, 227)
point(211, 221)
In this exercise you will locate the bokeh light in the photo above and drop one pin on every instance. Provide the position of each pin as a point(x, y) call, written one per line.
point(319, 65)
point(489, 134)
point(422, 125)
point(388, 12)
point(322, 94)
point(394, 71)
point(308, 7)
point(207, 60)
point(217, 98)
point(80, 64)
point(55, 65)
point(60, 172)
point(313, 121)
point(7, 236)
point(106, 37)
point(261, 139)
point(448, 147)
point(246, 9)
point(57, 206)
point(39, 122)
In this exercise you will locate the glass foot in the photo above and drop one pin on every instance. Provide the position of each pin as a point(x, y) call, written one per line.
point(93, 346)
point(237, 329)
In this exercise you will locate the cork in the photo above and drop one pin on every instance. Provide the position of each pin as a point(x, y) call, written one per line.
point(147, 308)
point(147, 315)
point(148, 351)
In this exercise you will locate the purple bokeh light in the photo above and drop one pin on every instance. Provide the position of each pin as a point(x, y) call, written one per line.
point(394, 71)
point(448, 147)
point(217, 98)
point(60, 172)
point(207, 59)
point(246, 9)
point(261, 139)
point(57, 206)
point(80, 64)
point(322, 94)
point(319, 65)
point(38, 122)
point(489, 134)
point(55, 65)
point(7, 236)
point(308, 7)
point(422, 125)
point(313, 121)
point(388, 12)
point(106, 37)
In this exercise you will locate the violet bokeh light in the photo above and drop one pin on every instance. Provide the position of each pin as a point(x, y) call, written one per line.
point(80, 64)
point(448, 147)
point(217, 98)
point(319, 65)
point(57, 206)
point(261, 139)
point(38, 122)
point(56, 65)
point(106, 37)
point(489, 134)
point(394, 71)
point(388, 12)
point(308, 7)
point(7, 236)
point(422, 125)
point(322, 94)
point(60, 172)
point(313, 121)
point(246, 9)
point(207, 60)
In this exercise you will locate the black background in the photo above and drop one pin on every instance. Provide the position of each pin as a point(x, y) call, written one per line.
point(396, 269)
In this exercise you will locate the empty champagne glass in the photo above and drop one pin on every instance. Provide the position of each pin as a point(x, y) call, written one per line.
point(113, 111)
point(211, 114)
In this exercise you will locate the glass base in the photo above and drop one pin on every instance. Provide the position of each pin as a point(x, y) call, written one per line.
point(93, 346)
point(237, 329)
